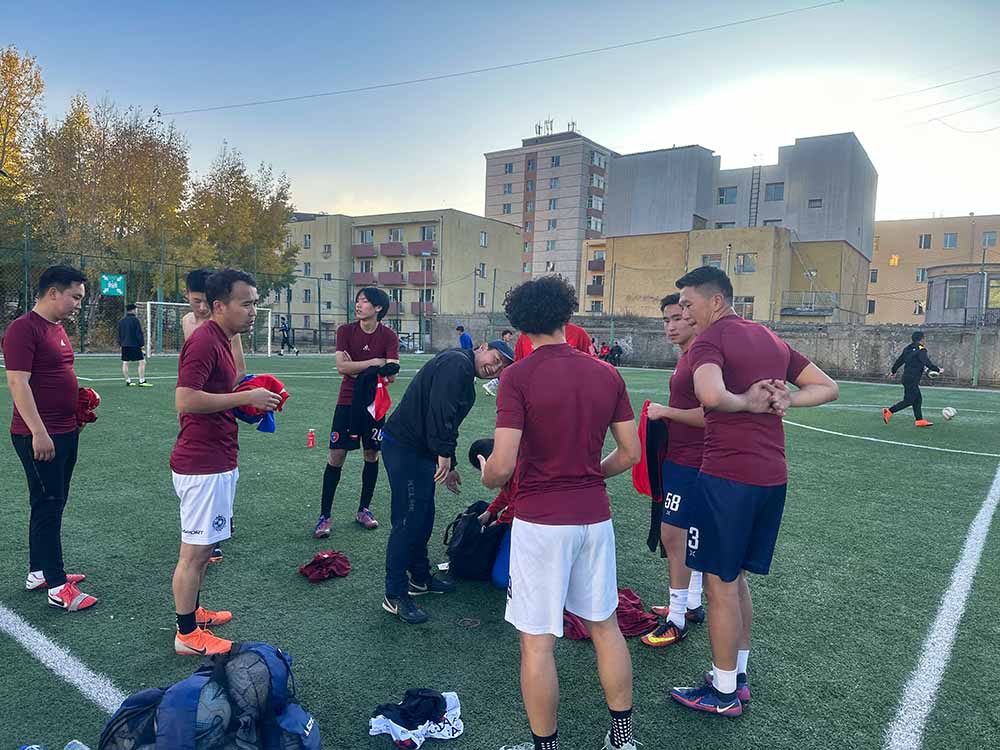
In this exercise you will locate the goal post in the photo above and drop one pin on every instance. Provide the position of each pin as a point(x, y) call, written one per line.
point(165, 334)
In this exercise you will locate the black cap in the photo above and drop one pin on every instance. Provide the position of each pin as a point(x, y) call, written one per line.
point(503, 347)
point(482, 447)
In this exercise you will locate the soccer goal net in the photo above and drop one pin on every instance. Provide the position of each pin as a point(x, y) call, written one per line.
point(165, 334)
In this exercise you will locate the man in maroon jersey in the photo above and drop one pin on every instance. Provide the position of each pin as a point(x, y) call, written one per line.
point(38, 358)
point(362, 344)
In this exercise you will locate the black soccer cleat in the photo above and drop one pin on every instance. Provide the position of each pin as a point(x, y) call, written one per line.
point(434, 585)
point(405, 609)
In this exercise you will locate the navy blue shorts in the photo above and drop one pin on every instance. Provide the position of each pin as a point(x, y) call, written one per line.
point(680, 491)
point(734, 526)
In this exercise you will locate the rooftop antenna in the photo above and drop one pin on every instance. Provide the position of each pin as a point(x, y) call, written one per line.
point(538, 128)
point(571, 126)
point(548, 126)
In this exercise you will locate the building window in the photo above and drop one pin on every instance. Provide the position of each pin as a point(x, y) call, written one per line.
point(427, 296)
point(307, 295)
point(595, 202)
point(746, 262)
point(508, 188)
point(743, 307)
point(989, 239)
point(993, 294)
point(531, 165)
point(553, 204)
point(396, 234)
point(918, 307)
point(893, 260)
point(396, 295)
point(484, 239)
point(595, 224)
point(305, 321)
point(597, 181)
point(429, 232)
point(550, 265)
point(715, 261)
point(873, 276)
point(598, 159)
point(774, 191)
point(327, 277)
point(529, 207)
point(396, 265)
point(526, 267)
point(550, 245)
point(529, 186)
point(504, 209)
point(772, 222)
point(600, 254)
point(815, 203)
point(508, 168)
point(956, 292)
point(529, 226)
point(482, 299)
point(725, 224)
point(327, 305)
point(554, 162)
point(596, 305)
point(597, 281)
point(727, 196)
point(366, 266)
point(481, 271)
point(307, 269)
point(950, 240)
point(552, 224)
point(365, 236)
point(871, 307)
point(327, 251)
point(307, 241)
point(553, 183)
point(527, 247)
point(924, 242)
point(921, 275)
point(428, 264)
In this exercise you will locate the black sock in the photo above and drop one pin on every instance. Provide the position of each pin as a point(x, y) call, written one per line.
point(186, 623)
point(197, 601)
point(331, 478)
point(546, 743)
point(369, 475)
point(621, 727)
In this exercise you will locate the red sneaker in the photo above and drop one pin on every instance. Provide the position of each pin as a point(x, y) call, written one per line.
point(71, 599)
point(35, 582)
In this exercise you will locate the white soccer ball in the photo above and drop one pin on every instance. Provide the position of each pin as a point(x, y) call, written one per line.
point(949, 412)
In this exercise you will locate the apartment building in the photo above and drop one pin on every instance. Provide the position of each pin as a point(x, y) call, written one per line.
point(930, 270)
point(774, 276)
point(429, 262)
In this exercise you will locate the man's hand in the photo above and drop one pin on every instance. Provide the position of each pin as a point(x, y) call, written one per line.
point(781, 397)
point(485, 518)
point(44, 448)
point(758, 397)
point(891, 375)
point(263, 399)
point(657, 411)
point(452, 482)
point(443, 469)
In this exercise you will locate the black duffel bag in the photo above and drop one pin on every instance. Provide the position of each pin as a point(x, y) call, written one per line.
point(472, 547)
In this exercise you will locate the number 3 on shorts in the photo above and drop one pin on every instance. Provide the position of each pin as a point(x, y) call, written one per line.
point(693, 538)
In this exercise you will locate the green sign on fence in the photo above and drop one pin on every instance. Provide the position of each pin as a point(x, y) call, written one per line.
point(113, 285)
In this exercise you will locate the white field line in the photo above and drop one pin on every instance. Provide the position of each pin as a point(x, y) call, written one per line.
point(906, 730)
point(838, 405)
point(94, 686)
point(891, 442)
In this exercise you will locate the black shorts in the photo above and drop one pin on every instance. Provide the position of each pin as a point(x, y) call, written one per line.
point(341, 439)
point(132, 354)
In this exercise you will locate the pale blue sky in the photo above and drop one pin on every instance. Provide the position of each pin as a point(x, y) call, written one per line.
point(740, 91)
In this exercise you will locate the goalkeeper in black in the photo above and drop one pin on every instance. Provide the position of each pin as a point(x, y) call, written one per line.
point(915, 362)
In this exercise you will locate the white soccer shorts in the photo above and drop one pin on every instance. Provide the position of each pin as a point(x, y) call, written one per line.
point(206, 505)
point(560, 567)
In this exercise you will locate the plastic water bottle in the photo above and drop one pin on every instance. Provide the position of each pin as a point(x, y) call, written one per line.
point(311, 439)
point(75, 745)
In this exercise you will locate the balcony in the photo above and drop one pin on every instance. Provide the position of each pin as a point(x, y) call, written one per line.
point(364, 251)
point(422, 278)
point(595, 212)
point(394, 308)
point(595, 265)
point(362, 278)
point(392, 250)
point(597, 191)
point(593, 234)
point(808, 304)
point(391, 278)
point(423, 247)
point(428, 308)
point(595, 290)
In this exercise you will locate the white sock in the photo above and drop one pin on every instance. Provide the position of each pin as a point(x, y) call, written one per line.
point(694, 590)
point(678, 606)
point(724, 680)
point(742, 657)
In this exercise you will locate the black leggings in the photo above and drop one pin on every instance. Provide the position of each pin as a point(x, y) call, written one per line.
point(911, 397)
point(48, 490)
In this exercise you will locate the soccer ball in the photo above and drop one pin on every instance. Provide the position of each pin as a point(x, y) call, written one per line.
point(249, 684)
point(949, 412)
point(212, 719)
point(933, 374)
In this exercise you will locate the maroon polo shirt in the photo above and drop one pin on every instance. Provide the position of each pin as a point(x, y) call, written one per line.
point(207, 443)
point(382, 343)
point(743, 447)
point(563, 401)
point(33, 344)
point(685, 443)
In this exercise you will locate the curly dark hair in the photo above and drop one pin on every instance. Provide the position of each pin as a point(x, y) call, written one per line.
point(541, 305)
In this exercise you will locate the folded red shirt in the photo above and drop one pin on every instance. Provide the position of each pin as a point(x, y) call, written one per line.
point(328, 564)
point(262, 381)
point(632, 618)
point(87, 400)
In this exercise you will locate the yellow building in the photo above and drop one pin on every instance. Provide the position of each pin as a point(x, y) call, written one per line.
point(429, 262)
point(773, 277)
point(904, 251)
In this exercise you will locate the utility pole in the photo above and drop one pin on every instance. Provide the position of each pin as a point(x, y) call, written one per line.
point(981, 313)
point(611, 336)
point(493, 304)
point(159, 292)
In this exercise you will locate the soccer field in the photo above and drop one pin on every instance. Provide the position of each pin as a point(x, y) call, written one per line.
point(871, 534)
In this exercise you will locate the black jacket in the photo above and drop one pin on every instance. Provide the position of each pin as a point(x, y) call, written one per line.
point(435, 403)
point(365, 386)
point(130, 332)
point(914, 361)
